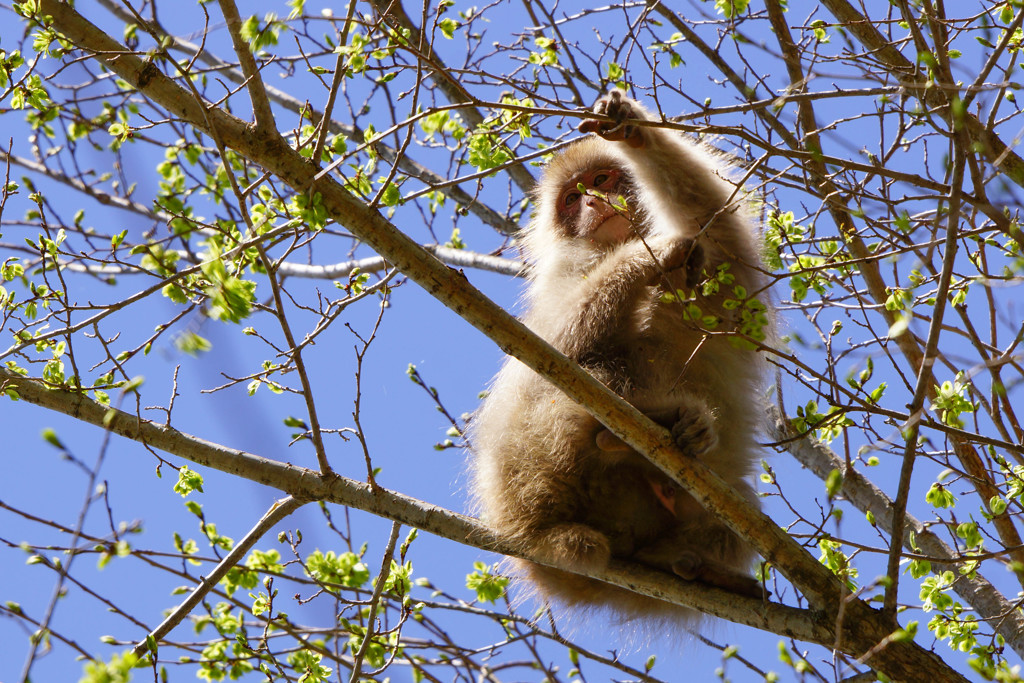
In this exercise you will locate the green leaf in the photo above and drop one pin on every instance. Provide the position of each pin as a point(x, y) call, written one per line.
point(905, 634)
point(489, 586)
point(833, 483)
point(346, 569)
point(391, 196)
point(188, 481)
point(50, 437)
point(938, 496)
point(117, 670)
point(448, 27)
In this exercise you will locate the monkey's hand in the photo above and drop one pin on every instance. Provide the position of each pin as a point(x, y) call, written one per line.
point(692, 426)
point(685, 253)
point(621, 110)
point(694, 429)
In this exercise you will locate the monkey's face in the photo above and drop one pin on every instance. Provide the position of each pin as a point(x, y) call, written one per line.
point(595, 212)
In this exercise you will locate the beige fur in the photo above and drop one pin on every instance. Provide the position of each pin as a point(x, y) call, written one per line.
point(541, 480)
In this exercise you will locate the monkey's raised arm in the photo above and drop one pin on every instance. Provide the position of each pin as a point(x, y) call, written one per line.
point(676, 179)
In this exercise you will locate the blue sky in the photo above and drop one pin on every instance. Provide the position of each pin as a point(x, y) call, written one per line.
point(400, 422)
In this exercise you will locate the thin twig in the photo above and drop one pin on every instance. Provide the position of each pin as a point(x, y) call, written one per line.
point(278, 511)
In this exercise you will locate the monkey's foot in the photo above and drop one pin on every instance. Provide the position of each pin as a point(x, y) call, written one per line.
point(688, 566)
point(694, 430)
point(576, 545)
point(692, 567)
point(619, 108)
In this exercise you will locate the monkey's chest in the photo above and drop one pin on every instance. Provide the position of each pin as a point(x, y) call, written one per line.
point(646, 369)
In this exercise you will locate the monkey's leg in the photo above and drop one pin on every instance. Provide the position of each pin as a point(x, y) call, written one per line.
point(549, 497)
point(574, 545)
point(695, 433)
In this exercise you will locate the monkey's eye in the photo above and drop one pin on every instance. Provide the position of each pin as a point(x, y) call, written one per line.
point(570, 198)
point(605, 180)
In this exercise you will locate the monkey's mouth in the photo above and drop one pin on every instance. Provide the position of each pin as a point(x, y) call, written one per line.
point(612, 230)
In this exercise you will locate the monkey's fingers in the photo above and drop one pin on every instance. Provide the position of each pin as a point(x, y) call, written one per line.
point(609, 130)
point(677, 253)
point(614, 132)
point(695, 266)
point(694, 431)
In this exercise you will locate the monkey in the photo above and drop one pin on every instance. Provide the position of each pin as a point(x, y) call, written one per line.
point(645, 270)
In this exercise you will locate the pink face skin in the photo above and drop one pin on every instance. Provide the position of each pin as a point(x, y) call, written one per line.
point(591, 217)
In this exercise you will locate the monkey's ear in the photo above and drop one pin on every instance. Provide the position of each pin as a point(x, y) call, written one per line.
point(608, 442)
